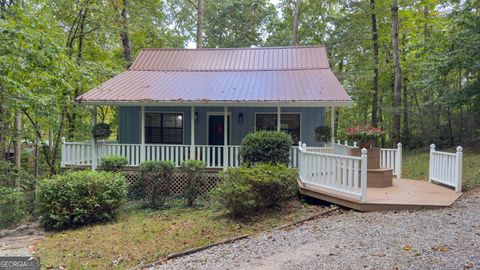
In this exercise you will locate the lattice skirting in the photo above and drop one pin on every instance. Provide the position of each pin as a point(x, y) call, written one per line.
point(139, 187)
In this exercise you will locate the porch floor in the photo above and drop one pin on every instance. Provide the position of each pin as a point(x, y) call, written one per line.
point(404, 194)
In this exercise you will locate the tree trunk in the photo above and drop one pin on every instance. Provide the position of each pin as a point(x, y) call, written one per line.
point(200, 24)
point(397, 75)
point(17, 140)
point(375, 65)
point(296, 18)
point(406, 125)
point(124, 38)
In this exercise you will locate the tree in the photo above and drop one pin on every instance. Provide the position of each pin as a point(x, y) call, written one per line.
point(375, 64)
point(397, 74)
point(296, 18)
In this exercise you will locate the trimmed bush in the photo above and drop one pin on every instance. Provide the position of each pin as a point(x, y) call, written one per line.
point(160, 173)
point(266, 147)
point(246, 189)
point(113, 163)
point(101, 131)
point(79, 198)
point(12, 207)
point(195, 172)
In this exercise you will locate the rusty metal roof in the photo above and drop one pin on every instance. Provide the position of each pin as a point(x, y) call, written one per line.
point(241, 75)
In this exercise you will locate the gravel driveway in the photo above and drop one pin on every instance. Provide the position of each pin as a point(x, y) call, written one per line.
point(447, 238)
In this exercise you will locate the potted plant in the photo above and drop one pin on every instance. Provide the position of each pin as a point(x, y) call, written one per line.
point(365, 136)
point(322, 134)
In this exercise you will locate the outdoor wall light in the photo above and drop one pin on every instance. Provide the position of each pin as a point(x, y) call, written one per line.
point(240, 118)
point(195, 116)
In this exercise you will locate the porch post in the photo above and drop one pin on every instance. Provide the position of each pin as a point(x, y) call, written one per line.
point(225, 137)
point(142, 133)
point(94, 141)
point(192, 133)
point(332, 125)
point(278, 118)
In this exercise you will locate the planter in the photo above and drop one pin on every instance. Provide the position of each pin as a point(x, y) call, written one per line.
point(373, 157)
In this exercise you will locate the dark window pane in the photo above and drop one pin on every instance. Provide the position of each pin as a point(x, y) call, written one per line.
point(266, 121)
point(164, 128)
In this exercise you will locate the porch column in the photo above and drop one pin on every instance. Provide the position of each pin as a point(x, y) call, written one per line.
point(225, 137)
point(142, 133)
point(192, 133)
point(332, 125)
point(94, 141)
point(279, 114)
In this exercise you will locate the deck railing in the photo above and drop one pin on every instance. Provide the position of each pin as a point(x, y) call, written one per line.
point(342, 149)
point(391, 158)
point(341, 173)
point(83, 153)
point(446, 168)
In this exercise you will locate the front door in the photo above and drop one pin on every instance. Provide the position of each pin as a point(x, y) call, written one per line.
point(216, 129)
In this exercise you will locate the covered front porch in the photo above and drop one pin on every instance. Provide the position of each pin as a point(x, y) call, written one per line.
point(208, 133)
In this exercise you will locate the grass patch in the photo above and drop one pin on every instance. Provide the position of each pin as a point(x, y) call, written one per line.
point(415, 166)
point(144, 235)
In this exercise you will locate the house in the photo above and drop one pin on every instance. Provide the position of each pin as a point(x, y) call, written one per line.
point(211, 98)
point(180, 104)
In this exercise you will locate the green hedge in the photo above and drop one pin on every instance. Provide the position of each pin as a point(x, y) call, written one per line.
point(79, 198)
point(160, 173)
point(246, 189)
point(195, 173)
point(266, 147)
point(113, 163)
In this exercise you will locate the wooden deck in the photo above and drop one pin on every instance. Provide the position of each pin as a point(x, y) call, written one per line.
point(404, 194)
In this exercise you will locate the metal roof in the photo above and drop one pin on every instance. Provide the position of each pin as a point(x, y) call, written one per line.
point(240, 75)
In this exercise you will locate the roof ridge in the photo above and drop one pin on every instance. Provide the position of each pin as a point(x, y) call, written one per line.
point(236, 48)
point(227, 70)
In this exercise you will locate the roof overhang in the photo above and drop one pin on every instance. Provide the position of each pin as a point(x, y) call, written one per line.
point(221, 103)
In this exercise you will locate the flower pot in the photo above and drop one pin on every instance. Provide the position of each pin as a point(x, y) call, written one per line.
point(373, 156)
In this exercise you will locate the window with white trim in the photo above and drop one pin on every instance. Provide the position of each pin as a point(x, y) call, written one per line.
point(289, 122)
point(165, 128)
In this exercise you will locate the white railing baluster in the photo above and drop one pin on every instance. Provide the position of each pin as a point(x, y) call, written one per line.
point(446, 168)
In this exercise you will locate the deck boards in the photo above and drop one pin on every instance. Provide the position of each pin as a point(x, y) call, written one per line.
point(404, 194)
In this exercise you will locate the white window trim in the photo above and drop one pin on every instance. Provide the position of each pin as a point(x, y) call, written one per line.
point(160, 112)
point(275, 113)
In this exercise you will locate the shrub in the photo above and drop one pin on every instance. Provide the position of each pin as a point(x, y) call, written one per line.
point(266, 146)
point(113, 163)
point(78, 198)
point(246, 189)
point(12, 207)
point(160, 173)
point(101, 131)
point(195, 172)
point(323, 134)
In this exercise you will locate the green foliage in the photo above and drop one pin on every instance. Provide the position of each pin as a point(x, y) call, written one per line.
point(79, 198)
point(246, 189)
point(15, 180)
point(195, 172)
point(266, 146)
point(323, 134)
point(12, 207)
point(101, 131)
point(113, 163)
point(160, 173)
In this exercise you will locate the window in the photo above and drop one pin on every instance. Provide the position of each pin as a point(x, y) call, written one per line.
point(164, 128)
point(290, 123)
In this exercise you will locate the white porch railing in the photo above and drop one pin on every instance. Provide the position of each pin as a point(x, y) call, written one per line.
point(79, 153)
point(342, 149)
point(446, 168)
point(391, 158)
point(82, 153)
point(340, 173)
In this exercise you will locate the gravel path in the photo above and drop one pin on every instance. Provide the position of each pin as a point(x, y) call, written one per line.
point(447, 238)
